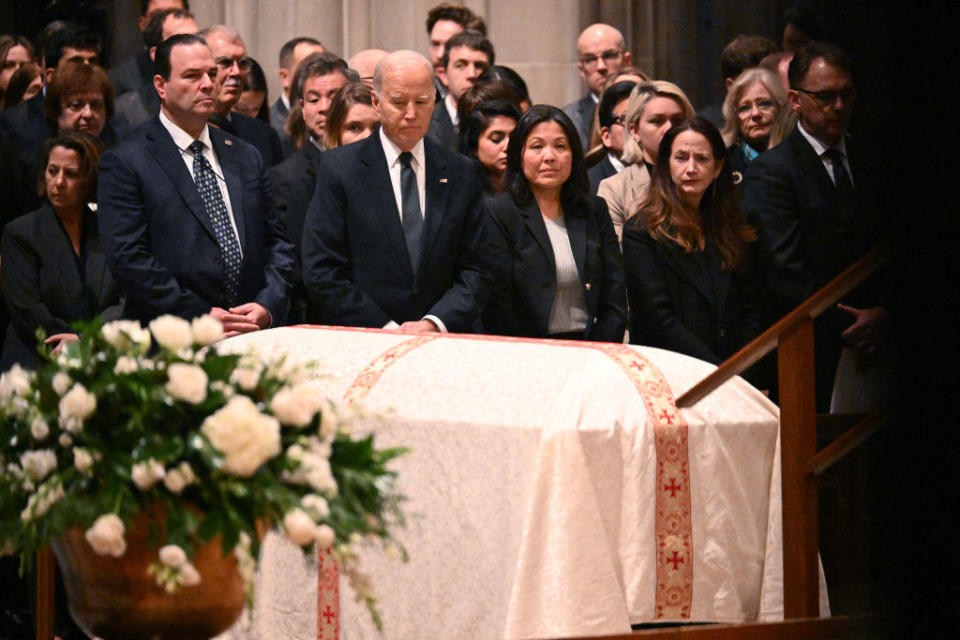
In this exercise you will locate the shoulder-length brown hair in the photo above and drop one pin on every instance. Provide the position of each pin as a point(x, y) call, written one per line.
point(719, 220)
point(86, 146)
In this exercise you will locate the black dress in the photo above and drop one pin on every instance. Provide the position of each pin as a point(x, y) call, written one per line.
point(46, 284)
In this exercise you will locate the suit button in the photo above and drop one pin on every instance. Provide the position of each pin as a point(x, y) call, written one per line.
point(587, 286)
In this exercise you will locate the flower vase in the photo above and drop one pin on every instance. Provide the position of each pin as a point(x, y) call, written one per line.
point(116, 598)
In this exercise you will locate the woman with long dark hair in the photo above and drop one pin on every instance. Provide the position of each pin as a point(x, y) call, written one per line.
point(557, 270)
point(484, 135)
point(687, 251)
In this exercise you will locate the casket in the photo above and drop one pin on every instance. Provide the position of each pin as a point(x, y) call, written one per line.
point(553, 489)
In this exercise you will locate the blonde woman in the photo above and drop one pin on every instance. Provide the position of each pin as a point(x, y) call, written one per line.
point(754, 105)
point(654, 108)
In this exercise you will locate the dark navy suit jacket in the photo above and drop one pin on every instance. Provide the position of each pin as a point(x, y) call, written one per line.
point(356, 269)
point(158, 237)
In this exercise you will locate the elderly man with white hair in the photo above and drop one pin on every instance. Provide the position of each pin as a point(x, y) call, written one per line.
point(601, 52)
point(392, 236)
point(230, 55)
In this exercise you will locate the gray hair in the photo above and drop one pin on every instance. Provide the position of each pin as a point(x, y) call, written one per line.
point(748, 78)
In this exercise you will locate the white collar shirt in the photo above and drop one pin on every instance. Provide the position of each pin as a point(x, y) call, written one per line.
point(418, 163)
point(183, 140)
point(451, 104)
point(821, 150)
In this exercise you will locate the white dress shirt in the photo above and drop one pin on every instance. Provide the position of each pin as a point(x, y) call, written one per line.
point(451, 104)
point(821, 150)
point(183, 140)
point(418, 163)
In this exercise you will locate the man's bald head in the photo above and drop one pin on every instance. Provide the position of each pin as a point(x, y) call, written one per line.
point(405, 63)
point(601, 51)
point(364, 62)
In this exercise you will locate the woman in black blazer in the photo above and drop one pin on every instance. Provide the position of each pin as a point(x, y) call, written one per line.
point(686, 252)
point(557, 269)
point(53, 270)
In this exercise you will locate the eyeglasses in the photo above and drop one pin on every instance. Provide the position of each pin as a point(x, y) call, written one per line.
point(827, 98)
point(611, 55)
point(226, 62)
point(766, 106)
point(620, 120)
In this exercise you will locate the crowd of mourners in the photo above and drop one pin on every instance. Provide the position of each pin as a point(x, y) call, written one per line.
point(428, 193)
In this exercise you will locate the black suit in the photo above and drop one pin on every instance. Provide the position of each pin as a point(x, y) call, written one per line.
point(356, 268)
point(442, 128)
point(133, 73)
point(581, 112)
point(293, 182)
point(278, 116)
point(45, 284)
point(683, 301)
point(159, 239)
point(136, 107)
point(600, 172)
point(807, 234)
point(525, 274)
point(255, 131)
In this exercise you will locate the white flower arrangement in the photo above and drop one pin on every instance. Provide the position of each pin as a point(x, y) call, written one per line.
point(223, 443)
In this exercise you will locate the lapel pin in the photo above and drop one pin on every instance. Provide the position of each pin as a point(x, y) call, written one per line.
point(443, 181)
point(228, 142)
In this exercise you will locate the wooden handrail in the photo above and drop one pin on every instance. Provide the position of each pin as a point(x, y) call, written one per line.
point(767, 341)
point(850, 440)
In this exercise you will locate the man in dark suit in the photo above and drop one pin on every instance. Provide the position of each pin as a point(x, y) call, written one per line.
point(443, 22)
point(230, 54)
point(136, 72)
point(807, 199)
point(465, 57)
point(392, 236)
point(185, 209)
point(319, 76)
point(292, 54)
point(601, 52)
point(139, 105)
point(613, 129)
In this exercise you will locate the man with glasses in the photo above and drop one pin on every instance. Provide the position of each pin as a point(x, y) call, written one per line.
point(601, 52)
point(230, 56)
point(611, 114)
point(807, 199)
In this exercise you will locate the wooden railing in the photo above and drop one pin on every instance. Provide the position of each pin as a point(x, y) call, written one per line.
point(792, 336)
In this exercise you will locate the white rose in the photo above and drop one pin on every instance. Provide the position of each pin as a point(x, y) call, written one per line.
point(75, 407)
point(65, 440)
point(171, 332)
point(38, 464)
point(246, 376)
point(82, 459)
point(125, 365)
point(106, 536)
point(124, 334)
point(15, 381)
point(300, 527)
point(189, 576)
point(179, 478)
point(297, 405)
point(325, 536)
point(317, 504)
point(61, 382)
point(187, 382)
point(328, 421)
point(41, 501)
point(173, 556)
point(206, 330)
point(222, 387)
point(246, 437)
point(146, 474)
point(39, 428)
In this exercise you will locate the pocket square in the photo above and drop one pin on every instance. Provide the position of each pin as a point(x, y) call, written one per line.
point(443, 181)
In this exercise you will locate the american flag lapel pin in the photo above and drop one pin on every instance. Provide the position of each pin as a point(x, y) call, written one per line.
point(228, 142)
point(443, 181)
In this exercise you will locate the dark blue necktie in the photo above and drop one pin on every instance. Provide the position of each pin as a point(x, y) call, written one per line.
point(216, 208)
point(410, 215)
point(840, 176)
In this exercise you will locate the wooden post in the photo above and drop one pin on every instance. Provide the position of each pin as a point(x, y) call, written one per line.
point(46, 567)
point(798, 440)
